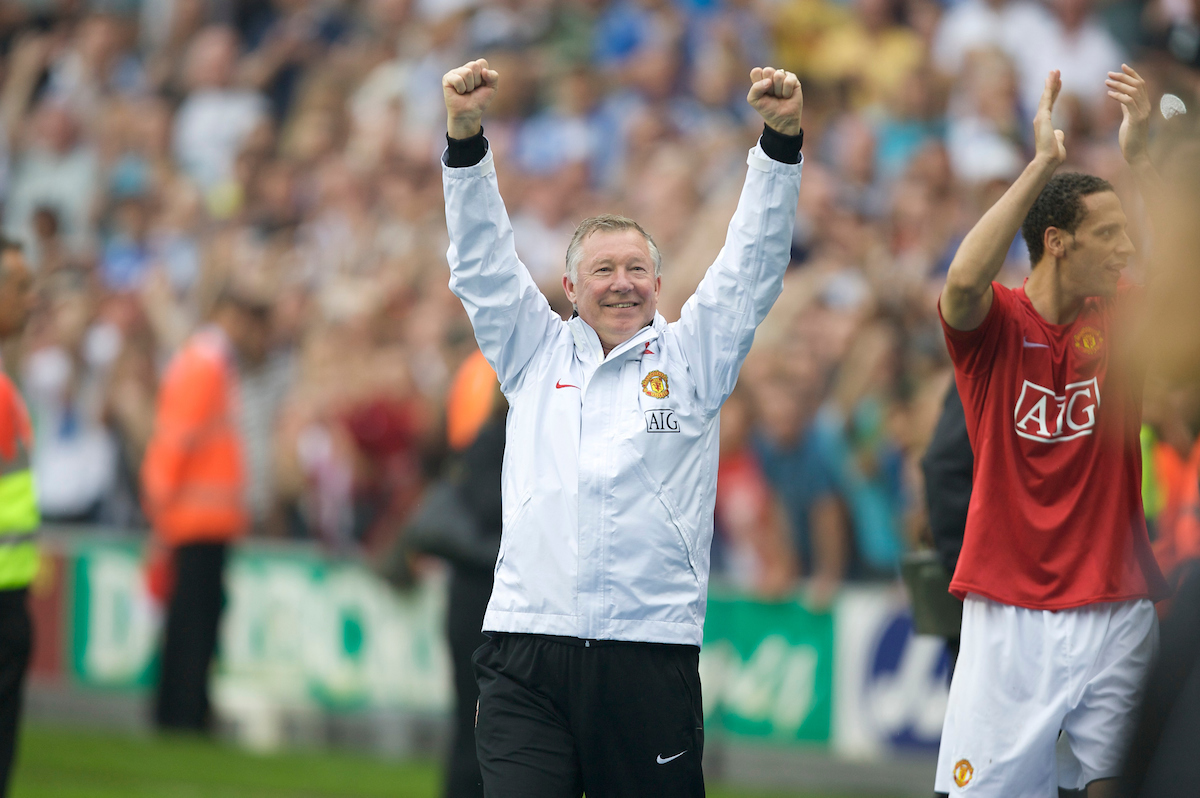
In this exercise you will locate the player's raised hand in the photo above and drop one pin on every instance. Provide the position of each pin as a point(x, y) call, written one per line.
point(777, 97)
point(1128, 88)
point(1049, 142)
point(468, 91)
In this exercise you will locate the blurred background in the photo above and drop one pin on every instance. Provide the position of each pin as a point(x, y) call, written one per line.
point(153, 151)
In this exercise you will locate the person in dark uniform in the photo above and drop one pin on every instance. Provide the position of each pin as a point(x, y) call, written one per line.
point(947, 465)
point(475, 430)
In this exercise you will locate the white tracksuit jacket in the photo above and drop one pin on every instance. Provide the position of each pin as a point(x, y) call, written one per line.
point(610, 468)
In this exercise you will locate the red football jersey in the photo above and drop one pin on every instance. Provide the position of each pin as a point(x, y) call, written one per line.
point(1056, 517)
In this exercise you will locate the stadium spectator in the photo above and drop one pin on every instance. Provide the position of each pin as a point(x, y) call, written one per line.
point(751, 543)
point(95, 67)
point(216, 117)
point(66, 380)
point(1078, 45)
point(194, 483)
point(975, 25)
point(871, 53)
point(56, 168)
point(795, 461)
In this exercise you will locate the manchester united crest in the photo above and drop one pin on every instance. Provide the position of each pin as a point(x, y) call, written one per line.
point(1088, 340)
point(963, 773)
point(655, 385)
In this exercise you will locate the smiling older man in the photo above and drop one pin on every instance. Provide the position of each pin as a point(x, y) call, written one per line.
point(589, 681)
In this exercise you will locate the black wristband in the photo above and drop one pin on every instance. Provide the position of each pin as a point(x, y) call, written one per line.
point(781, 147)
point(468, 151)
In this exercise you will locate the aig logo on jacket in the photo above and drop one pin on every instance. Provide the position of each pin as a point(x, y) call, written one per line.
point(661, 420)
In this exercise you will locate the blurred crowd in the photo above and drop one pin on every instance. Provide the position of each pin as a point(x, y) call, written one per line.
point(154, 151)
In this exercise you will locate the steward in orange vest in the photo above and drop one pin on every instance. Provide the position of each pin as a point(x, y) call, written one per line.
point(194, 493)
point(19, 518)
point(193, 476)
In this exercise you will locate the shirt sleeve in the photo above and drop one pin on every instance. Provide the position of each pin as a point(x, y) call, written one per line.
point(973, 351)
point(717, 324)
point(510, 316)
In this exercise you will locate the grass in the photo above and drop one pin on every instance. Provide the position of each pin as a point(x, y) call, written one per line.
point(58, 762)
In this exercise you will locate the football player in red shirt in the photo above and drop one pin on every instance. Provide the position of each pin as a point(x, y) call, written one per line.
point(1056, 570)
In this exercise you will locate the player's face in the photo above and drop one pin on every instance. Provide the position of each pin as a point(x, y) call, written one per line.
point(1100, 248)
point(617, 292)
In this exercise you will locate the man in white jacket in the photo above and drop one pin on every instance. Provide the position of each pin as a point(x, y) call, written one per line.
point(589, 681)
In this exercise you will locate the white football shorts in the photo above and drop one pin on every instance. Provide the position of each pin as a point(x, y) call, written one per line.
point(1022, 676)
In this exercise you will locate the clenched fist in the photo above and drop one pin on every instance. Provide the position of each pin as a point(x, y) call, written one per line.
point(468, 91)
point(777, 97)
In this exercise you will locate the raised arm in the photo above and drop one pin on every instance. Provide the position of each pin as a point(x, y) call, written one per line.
point(1129, 89)
point(967, 295)
point(510, 316)
point(717, 324)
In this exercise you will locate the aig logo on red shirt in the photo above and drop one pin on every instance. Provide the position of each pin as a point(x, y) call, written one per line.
point(1043, 416)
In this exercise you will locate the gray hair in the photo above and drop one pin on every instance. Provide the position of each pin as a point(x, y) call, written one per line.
point(606, 223)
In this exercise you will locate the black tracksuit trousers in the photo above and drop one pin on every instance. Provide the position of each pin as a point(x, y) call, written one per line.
point(559, 717)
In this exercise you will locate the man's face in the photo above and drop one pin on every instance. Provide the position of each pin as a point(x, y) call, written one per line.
point(252, 337)
point(1099, 248)
point(617, 292)
point(16, 292)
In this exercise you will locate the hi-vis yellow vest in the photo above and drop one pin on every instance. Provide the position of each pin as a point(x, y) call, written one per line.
point(19, 517)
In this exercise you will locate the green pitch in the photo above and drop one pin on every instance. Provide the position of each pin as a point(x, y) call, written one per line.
point(71, 763)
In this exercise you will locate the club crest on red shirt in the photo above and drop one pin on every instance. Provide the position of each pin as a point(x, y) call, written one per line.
point(1088, 340)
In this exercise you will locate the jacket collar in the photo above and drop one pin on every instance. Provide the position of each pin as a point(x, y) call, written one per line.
point(587, 342)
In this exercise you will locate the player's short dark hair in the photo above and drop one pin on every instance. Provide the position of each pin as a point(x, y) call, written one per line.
point(1059, 205)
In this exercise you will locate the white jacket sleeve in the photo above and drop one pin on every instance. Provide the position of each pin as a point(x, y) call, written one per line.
point(717, 324)
point(510, 316)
